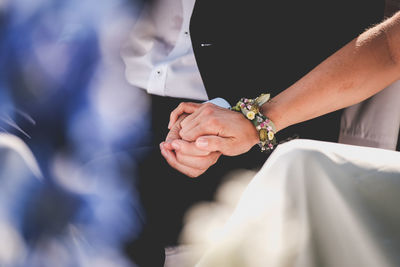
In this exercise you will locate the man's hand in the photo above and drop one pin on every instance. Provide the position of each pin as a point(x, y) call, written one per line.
point(216, 129)
point(185, 156)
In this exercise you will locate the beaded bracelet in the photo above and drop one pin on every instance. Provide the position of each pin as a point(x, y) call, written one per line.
point(265, 127)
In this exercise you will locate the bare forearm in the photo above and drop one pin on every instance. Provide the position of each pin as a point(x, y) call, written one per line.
point(360, 69)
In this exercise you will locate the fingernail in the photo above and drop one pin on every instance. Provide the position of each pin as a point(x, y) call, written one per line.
point(175, 146)
point(161, 145)
point(202, 142)
point(169, 125)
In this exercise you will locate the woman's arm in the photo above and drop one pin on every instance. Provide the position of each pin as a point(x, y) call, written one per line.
point(359, 70)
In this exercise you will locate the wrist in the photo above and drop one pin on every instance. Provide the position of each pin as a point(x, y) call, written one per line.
point(252, 134)
point(269, 110)
point(263, 125)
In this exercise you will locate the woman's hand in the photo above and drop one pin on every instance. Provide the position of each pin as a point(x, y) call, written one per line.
point(216, 129)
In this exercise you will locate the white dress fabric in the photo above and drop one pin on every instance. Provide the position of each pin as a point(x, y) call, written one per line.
point(316, 204)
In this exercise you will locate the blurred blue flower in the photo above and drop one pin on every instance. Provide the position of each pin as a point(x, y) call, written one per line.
point(63, 93)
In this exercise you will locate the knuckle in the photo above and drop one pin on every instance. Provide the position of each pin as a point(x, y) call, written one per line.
point(207, 105)
point(203, 153)
point(214, 122)
point(172, 115)
point(182, 123)
point(196, 173)
point(188, 105)
point(182, 159)
point(183, 148)
point(191, 104)
point(192, 174)
point(202, 127)
point(179, 109)
point(182, 134)
point(208, 110)
point(179, 158)
point(186, 136)
point(210, 161)
point(172, 163)
point(193, 150)
point(203, 162)
point(216, 157)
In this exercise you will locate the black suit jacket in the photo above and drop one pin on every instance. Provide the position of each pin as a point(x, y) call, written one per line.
point(244, 48)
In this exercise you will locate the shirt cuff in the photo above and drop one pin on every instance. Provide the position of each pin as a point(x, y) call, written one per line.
point(219, 102)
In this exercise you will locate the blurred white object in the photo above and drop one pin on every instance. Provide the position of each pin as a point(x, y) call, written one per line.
point(17, 167)
point(17, 156)
point(203, 222)
point(316, 204)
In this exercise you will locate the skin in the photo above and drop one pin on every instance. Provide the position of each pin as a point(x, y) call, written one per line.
point(363, 67)
point(185, 156)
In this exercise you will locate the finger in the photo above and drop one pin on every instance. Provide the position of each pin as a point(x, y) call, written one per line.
point(170, 157)
point(215, 143)
point(187, 125)
point(184, 107)
point(199, 127)
point(205, 122)
point(173, 134)
point(188, 148)
point(198, 162)
point(174, 131)
point(206, 109)
point(167, 145)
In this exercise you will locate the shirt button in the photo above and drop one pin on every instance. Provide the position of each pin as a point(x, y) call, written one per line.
point(159, 72)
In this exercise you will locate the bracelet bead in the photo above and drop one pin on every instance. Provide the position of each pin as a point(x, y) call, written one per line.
point(250, 108)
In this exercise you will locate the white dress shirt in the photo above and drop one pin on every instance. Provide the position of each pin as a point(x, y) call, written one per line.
point(159, 56)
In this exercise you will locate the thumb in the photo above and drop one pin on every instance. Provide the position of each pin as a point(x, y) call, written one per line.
point(213, 143)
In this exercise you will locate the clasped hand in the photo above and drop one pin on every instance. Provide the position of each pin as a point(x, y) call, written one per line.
point(200, 133)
